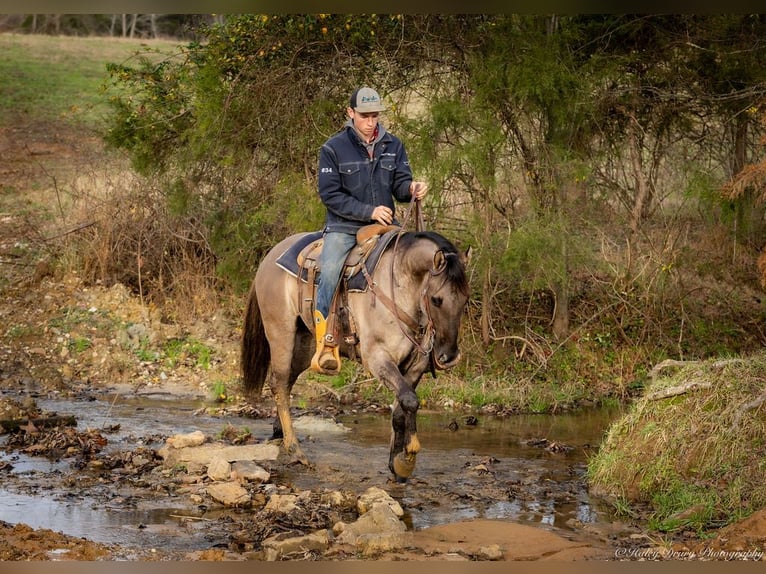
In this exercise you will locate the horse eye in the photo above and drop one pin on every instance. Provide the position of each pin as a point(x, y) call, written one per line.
point(436, 301)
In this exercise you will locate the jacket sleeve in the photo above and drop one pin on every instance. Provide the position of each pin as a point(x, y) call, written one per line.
point(402, 176)
point(331, 191)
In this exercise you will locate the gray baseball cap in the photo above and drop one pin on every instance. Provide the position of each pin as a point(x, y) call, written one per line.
point(366, 100)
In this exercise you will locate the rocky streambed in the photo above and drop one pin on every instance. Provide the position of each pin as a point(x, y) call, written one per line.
point(160, 476)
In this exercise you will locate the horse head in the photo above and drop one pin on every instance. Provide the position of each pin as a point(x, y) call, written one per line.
point(445, 295)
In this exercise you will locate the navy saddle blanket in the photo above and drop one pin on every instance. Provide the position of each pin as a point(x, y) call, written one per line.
point(289, 259)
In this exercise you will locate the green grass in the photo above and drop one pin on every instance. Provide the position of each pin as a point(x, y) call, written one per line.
point(692, 447)
point(176, 351)
point(45, 78)
point(80, 344)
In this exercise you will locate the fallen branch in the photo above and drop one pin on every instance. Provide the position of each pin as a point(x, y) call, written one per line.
point(678, 390)
point(724, 362)
point(70, 231)
point(754, 404)
point(8, 426)
point(666, 364)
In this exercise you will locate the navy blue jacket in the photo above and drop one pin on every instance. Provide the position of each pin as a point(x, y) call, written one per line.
point(352, 185)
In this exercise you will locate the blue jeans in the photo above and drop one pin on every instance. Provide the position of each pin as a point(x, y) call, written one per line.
point(336, 247)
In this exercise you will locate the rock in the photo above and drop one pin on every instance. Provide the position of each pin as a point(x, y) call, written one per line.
point(381, 518)
point(374, 495)
point(491, 552)
point(195, 438)
point(247, 470)
point(139, 461)
point(309, 424)
point(136, 334)
point(229, 493)
point(279, 545)
point(378, 530)
point(370, 545)
point(197, 458)
point(282, 503)
point(219, 469)
point(334, 498)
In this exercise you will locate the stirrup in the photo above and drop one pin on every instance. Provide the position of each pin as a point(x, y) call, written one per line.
point(326, 360)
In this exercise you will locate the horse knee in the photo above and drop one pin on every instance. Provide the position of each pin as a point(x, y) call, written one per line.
point(409, 402)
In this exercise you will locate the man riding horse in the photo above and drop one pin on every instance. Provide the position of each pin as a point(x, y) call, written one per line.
point(405, 318)
point(362, 169)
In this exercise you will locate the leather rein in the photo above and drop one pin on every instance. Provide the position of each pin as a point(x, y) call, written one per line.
point(421, 336)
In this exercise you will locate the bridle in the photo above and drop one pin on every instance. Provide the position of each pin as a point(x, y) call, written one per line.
point(422, 336)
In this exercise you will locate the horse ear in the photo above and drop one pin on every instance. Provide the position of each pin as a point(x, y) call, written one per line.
point(467, 256)
point(440, 262)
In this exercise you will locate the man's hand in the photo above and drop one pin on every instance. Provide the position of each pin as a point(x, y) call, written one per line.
point(383, 215)
point(418, 189)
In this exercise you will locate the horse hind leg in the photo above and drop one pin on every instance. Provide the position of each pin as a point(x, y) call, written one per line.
point(282, 388)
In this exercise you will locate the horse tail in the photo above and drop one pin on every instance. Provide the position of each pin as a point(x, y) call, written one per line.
point(255, 351)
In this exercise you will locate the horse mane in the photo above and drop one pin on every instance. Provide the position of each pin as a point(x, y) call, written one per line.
point(455, 270)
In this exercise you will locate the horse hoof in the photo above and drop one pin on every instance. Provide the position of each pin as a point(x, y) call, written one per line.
point(404, 464)
point(292, 454)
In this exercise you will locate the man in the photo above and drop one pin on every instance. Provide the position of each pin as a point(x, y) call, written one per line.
point(362, 169)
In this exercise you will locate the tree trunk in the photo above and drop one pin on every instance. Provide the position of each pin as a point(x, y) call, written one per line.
point(748, 215)
point(561, 285)
point(642, 186)
point(486, 303)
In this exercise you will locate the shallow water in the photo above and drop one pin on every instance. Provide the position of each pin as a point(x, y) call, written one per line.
point(489, 470)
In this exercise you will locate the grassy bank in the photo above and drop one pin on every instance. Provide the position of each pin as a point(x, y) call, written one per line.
point(51, 78)
point(693, 447)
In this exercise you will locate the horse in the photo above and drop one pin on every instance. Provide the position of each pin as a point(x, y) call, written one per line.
point(407, 322)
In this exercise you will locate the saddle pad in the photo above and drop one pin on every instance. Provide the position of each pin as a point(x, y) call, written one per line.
point(289, 259)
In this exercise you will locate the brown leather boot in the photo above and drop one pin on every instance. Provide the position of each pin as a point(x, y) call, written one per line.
point(326, 359)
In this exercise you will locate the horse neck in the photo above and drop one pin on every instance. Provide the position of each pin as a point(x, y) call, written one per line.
point(411, 268)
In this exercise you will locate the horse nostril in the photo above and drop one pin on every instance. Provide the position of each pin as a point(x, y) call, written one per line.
point(445, 361)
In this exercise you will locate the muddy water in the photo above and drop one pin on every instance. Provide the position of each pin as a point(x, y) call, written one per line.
point(498, 468)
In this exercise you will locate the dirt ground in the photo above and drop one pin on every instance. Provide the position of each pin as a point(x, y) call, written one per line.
point(58, 337)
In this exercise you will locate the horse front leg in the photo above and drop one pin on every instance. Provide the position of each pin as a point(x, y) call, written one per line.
point(404, 445)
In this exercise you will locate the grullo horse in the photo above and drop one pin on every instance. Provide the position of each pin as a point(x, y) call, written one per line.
point(407, 321)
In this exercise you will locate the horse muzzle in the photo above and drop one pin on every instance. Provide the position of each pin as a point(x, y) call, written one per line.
point(443, 362)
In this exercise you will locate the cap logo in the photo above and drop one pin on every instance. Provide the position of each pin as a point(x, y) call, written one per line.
point(366, 100)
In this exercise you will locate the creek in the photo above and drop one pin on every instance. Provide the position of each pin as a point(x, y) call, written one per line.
point(528, 469)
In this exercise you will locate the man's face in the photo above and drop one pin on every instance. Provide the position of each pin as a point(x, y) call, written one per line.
point(364, 122)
